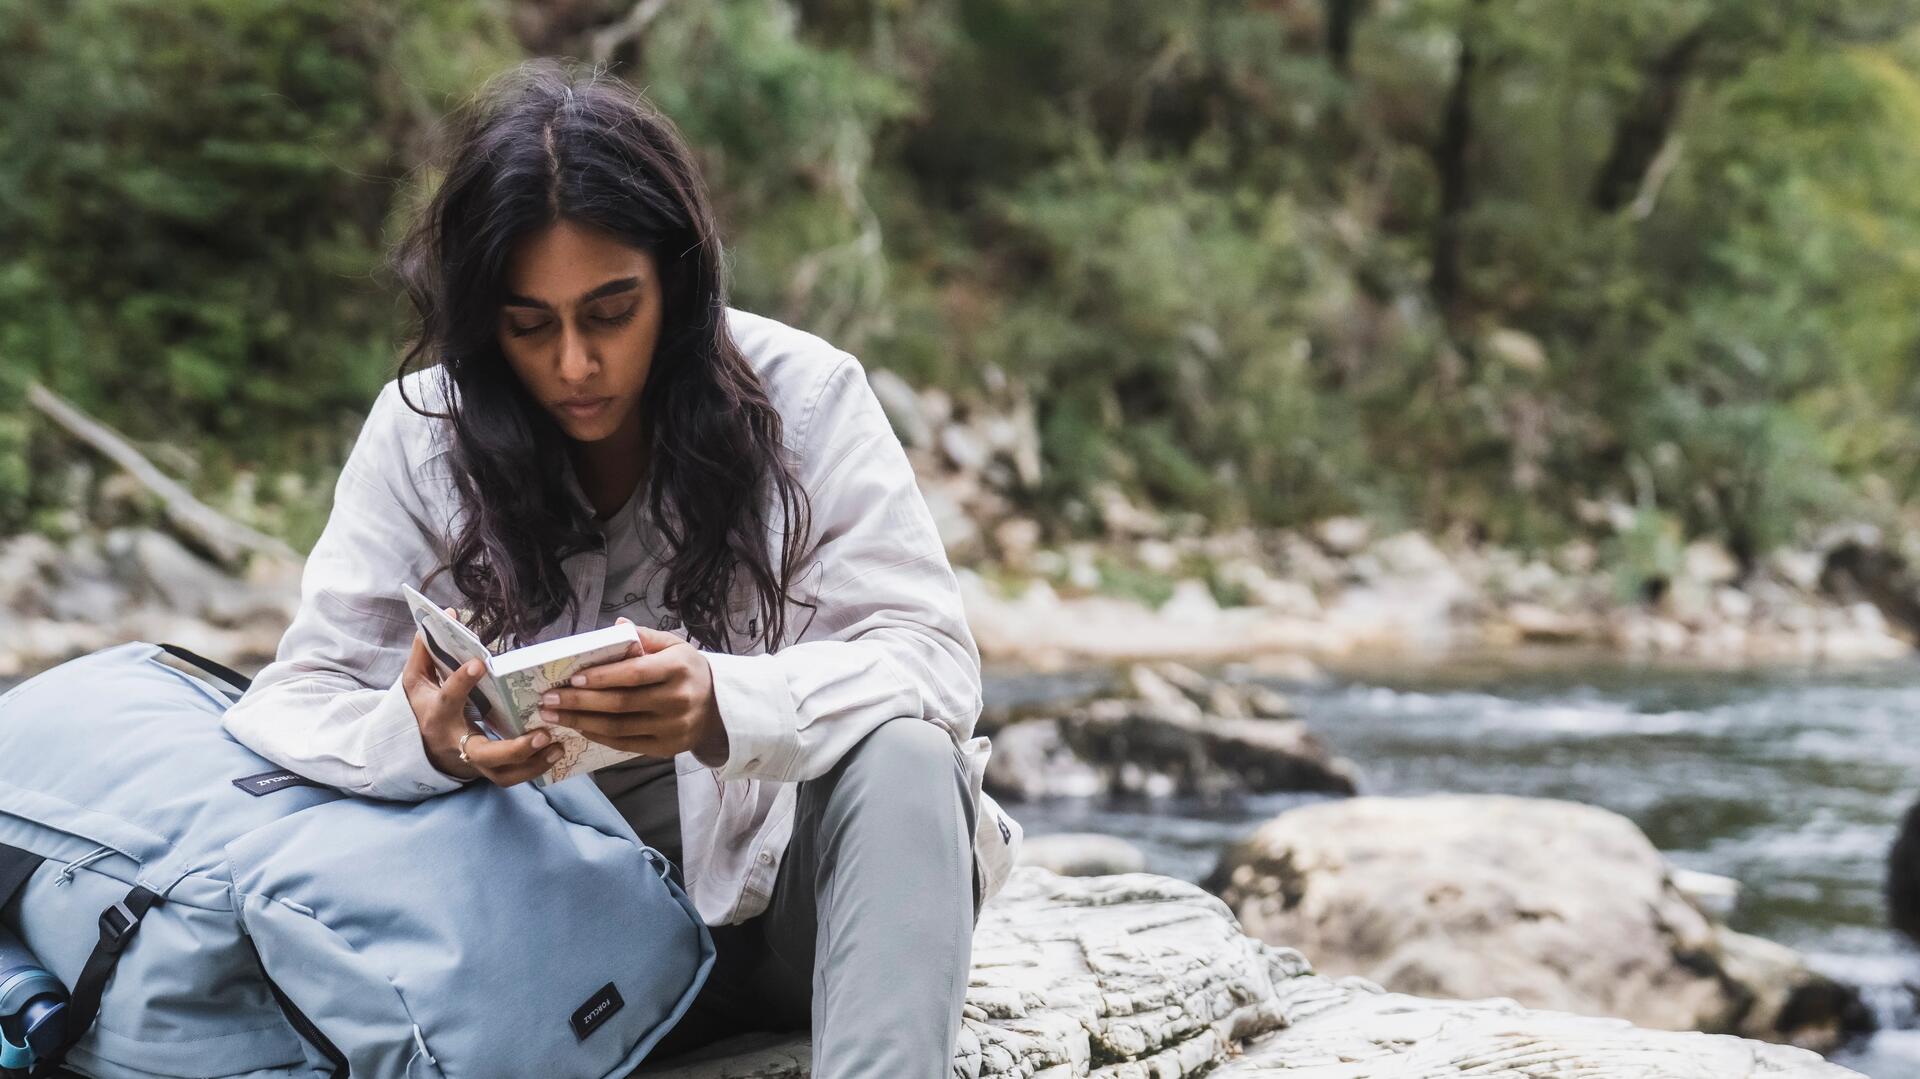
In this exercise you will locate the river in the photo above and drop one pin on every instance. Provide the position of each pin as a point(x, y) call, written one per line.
point(1791, 781)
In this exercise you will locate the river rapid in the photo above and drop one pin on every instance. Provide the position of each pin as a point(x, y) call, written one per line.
point(1792, 781)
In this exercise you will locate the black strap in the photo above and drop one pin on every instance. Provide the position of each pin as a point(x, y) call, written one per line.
point(305, 1028)
point(118, 923)
point(16, 866)
point(219, 670)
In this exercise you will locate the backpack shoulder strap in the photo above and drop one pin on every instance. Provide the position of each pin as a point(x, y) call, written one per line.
point(218, 670)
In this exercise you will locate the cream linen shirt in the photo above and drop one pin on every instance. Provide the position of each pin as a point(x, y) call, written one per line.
point(889, 638)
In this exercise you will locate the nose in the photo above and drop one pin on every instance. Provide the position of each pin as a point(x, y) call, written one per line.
point(576, 363)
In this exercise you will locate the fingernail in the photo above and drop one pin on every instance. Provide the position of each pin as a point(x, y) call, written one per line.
point(549, 698)
point(622, 618)
point(549, 715)
point(577, 680)
point(553, 755)
point(540, 739)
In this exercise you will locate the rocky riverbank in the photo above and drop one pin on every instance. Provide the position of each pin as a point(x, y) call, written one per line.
point(1283, 600)
point(1143, 977)
point(1555, 904)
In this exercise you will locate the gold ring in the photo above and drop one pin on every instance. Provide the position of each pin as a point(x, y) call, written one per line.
point(462, 746)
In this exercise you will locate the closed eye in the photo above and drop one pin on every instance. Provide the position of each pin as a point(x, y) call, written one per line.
point(620, 319)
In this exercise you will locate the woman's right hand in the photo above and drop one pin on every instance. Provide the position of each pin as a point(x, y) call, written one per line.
point(440, 707)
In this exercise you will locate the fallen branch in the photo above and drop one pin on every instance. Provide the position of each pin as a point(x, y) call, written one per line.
point(227, 540)
point(628, 30)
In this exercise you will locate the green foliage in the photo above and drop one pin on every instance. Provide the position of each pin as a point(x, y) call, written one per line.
point(193, 195)
point(1200, 237)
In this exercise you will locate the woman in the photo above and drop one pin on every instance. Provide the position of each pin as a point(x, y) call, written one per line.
point(593, 434)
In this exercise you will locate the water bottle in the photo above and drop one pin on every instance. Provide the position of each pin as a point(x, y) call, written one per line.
point(33, 1007)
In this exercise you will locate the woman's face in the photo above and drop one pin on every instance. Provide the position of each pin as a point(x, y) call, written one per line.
point(579, 324)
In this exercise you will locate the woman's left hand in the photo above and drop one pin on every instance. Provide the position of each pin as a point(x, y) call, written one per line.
point(657, 699)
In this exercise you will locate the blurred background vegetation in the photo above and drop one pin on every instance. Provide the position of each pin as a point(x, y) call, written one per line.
point(1466, 265)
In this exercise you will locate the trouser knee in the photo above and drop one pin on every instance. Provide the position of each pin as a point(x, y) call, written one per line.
point(902, 769)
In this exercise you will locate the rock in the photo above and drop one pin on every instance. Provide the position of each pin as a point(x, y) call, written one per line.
point(1343, 535)
point(1363, 1036)
point(1858, 569)
point(1031, 761)
point(1082, 854)
point(1709, 563)
point(958, 532)
point(962, 448)
point(1555, 904)
point(1120, 517)
point(156, 565)
point(1016, 538)
point(1536, 623)
point(1192, 602)
point(28, 563)
point(1801, 569)
point(1201, 754)
point(1903, 876)
point(1135, 976)
point(1517, 349)
point(902, 406)
point(1710, 892)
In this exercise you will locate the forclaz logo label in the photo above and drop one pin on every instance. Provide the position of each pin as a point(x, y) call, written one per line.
point(268, 782)
point(598, 1008)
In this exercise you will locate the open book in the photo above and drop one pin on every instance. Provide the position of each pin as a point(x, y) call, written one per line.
point(508, 695)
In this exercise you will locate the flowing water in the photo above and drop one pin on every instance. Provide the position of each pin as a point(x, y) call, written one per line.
point(1791, 781)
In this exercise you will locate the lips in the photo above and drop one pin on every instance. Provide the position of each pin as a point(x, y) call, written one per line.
point(583, 407)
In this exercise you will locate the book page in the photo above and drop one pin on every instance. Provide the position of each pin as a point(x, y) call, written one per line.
point(579, 754)
point(452, 644)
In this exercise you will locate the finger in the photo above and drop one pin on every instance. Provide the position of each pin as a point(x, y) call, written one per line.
point(623, 699)
point(460, 684)
point(656, 640)
point(519, 773)
point(417, 663)
point(604, 725)
point(648, 744)
point(486, 753)
point(633, 671)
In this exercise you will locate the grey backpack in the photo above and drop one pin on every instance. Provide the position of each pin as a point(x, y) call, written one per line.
point(214, 915)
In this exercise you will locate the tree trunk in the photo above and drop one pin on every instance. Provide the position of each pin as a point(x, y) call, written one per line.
point(1647, 124)
point(1342, 15)
point(1450, 162)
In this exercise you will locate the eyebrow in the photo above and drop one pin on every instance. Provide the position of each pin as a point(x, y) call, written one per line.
point(617, 285)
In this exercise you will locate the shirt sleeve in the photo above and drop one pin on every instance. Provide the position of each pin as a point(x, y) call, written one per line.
point(889, 636)
point(330, 706)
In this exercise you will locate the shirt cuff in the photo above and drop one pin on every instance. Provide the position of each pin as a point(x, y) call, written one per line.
point(757, 710)
point(397, 764)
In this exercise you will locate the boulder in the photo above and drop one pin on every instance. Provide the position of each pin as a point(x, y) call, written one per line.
point(902, 406)
point(1136, 976)
point(1554, 904)
point(1031, 761)
point(1174, 731)
point(1082, 854)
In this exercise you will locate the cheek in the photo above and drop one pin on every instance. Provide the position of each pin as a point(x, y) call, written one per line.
point(641, 340)
point(521, 360)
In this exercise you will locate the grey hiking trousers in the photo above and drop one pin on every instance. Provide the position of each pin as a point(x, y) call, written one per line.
point(867, 939)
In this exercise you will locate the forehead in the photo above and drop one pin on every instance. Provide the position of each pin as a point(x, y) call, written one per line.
point(565, 259)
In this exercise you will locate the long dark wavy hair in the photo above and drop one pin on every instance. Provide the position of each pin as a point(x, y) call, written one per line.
point(549, 140)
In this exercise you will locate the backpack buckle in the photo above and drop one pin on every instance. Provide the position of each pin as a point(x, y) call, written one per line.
point(117, 926)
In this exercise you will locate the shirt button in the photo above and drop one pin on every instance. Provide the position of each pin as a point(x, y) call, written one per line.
point(423, 786)
point(765, 857)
